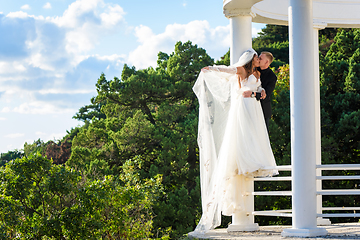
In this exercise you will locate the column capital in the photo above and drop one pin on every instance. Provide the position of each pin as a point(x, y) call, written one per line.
point(235, 12)
point(319, 25)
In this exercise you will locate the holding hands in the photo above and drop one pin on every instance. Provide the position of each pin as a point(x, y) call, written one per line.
point(248, 94)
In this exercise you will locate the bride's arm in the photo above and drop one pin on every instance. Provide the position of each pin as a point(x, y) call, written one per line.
point(260, 89)
point(221, 68)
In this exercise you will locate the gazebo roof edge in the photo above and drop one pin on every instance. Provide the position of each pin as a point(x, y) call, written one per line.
point(334, 14)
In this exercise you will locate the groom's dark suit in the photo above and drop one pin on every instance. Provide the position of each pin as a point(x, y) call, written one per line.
point(268, 81)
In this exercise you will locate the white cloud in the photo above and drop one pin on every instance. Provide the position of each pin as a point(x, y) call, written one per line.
point(5, 110)
point(47, 6)
point(65, 91)
point(2, 119)
point(25, 7)
point(78, 13)
point(19, 14)
point(79, 41)
point(71, 35)
point(41, 107)
point(113, 57)
point(198, 32)
point(86, 21)
point(112, 16)
point(255, 32)
point(94, 12)
point(14, 135)
point(48, 59)
point(11, 67)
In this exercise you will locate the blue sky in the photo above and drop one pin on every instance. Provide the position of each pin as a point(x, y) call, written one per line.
point(53, 51)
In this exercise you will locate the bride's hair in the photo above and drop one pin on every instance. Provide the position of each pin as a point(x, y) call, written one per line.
point(248, 69)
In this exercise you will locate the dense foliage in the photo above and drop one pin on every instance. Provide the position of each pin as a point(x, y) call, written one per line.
point(40, 199)
point(340, 116)
point(131, 170)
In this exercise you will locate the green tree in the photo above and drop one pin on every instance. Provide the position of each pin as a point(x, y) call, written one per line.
point(91, 111)
point(340, 96)
point(39, 199)
point(58, 150)
point(151, 117)
point(326, 38)
point(275, 39)
point(10, 155)
point(225, 60)
point(36, 146)
point(93, 150)
point(271, 34)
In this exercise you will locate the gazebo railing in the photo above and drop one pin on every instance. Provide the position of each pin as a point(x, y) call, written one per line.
point(327, 192)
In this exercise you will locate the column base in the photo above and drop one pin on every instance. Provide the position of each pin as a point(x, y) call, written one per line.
point(243, 228)
point(323, 221)
point(312, 232)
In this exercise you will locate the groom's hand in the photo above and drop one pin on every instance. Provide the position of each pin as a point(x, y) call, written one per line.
point(263, 94)
point(247, 94)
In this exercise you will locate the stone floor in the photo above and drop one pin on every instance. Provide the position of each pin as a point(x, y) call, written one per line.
point(335, 231)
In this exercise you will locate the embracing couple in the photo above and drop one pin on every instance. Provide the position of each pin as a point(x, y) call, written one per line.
point(234, 113)
point(260, 68)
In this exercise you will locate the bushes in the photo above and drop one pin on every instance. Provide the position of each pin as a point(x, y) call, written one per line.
point(39, 199)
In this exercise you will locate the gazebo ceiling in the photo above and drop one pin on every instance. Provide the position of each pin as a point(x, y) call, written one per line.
point(239, 4)
point(333, 13)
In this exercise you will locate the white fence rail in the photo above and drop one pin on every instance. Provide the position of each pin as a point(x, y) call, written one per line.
point(321, 192)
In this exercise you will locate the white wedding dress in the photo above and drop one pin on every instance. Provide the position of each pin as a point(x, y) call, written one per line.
point(232, 139)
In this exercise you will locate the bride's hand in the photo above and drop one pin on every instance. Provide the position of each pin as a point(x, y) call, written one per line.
point(247, 94)
point(204, 69)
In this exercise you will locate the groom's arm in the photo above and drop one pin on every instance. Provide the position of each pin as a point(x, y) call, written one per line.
point(270, 86)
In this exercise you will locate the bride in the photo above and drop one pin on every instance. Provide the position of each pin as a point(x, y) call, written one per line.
point(232, 136)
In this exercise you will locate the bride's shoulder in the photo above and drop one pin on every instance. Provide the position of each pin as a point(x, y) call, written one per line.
point(256, 74)
point(253, 77)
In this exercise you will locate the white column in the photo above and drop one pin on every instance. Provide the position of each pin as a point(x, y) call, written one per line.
point(302, 98)
point(243, 220)
point(240, 35)
point(317, 26)
point(241, 40)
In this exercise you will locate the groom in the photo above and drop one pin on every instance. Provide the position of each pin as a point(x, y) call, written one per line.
point(268, 81)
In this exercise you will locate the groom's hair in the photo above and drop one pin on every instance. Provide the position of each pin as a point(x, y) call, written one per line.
point(269, 56)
